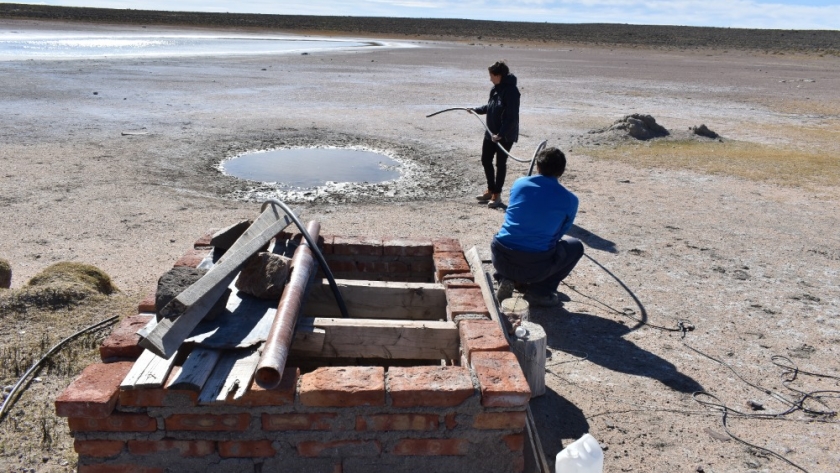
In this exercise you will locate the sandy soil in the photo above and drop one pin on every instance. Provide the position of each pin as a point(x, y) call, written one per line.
point(753, 267)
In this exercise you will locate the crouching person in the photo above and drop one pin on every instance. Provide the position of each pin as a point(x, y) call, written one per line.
point(531, 249)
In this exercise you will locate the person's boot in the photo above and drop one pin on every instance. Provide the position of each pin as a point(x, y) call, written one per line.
point(505, 290)
point(495, 201)
point(485, 196)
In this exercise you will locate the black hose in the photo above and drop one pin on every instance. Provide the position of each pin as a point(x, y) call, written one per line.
point(313, 245)
point(485, 127)
point(10, 400)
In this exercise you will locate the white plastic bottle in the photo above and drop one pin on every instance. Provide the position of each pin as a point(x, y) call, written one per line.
point(584, 455)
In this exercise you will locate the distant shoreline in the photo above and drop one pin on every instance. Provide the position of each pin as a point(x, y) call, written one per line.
point(676, 37)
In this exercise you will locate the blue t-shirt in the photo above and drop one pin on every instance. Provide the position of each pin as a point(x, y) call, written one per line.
point(540, 211)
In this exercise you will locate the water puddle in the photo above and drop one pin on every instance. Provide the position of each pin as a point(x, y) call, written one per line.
point(310, 168)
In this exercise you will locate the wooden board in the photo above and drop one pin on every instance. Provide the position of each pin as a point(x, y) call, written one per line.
point(378, 300)
point(196, 369)
point(368, 338)
point(192, 305)
point(231, 377)
point(149, 371)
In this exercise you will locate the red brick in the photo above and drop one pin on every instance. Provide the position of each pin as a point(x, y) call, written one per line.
point(466, 276)
point(451, 421)
point(515, 442)
point(192, 258)
point(357, 246)
point(204, 240)
point(340, 448)
point(99, 448)
point(447, 245)
point(148, 303)
point(431, 447)
point(185, 448)
point(342, 266)
point(388, 422)
point(208, 422)
point(481, 335)
point(382, 267)
point(465, 300)
point(282, 395)
point(449, 263)
point(159, 397)
point(500, 379)
point(500, 420)
point(111, 468)
point(422, 266)
point(343, 387)
point(94, 393)
point(406, 247)
point(429, 386)
point(246, 449)
point(118, 422)
point(121, 343)
point(298, 421)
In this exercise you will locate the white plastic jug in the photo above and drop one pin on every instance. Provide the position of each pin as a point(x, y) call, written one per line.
point(584, 455)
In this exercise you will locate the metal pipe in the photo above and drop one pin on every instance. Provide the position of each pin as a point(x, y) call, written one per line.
point(279, 340)
point(314, 246)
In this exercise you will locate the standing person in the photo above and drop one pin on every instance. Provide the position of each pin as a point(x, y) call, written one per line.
point(502, 112)
point(532, 247)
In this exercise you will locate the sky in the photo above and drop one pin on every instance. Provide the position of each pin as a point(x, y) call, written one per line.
point(781, 14)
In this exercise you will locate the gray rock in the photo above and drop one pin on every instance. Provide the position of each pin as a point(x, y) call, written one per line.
point(703, 130)
point(5, 274)
point(174, 281)
point(264, 275)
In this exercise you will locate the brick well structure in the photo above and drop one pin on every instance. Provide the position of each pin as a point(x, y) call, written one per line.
point(336, 415)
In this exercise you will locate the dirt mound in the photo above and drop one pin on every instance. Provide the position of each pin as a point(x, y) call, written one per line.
point(5, 274)
point(59, 285)
point(638, 126)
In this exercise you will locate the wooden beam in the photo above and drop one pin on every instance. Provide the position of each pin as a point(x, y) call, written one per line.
point(378, 300)
point(391, 339)
point(196, 369)
point(183, 313)
point(231, 378)
point(149, 371)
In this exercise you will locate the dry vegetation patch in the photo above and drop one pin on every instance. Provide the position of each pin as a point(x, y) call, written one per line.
point(55, 304)
point(781, 165)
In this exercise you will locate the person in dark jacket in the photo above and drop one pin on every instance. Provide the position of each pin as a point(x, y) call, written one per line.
point(502, 112)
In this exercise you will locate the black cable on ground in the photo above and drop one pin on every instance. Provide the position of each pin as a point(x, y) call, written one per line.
point(313, 245)
point(23, 379)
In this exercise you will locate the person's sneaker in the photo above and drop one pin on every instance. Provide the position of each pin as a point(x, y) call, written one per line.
point(495, 201)
point(551, 300)
point(505, 290)
point(485, 196)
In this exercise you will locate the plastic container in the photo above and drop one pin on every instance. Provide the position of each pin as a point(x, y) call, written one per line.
point(584, 455)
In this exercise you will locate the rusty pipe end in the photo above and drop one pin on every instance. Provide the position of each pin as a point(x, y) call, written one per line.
point(268, 377)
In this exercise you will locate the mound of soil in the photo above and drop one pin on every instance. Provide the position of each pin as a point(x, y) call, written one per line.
point(60, 285)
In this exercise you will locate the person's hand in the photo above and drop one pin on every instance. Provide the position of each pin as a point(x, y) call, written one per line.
point(496, 138)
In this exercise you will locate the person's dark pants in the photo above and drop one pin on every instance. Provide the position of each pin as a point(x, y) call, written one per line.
point(542, 271)
point(495, 178)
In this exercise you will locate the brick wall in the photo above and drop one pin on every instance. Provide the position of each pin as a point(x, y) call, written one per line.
point(466, 417)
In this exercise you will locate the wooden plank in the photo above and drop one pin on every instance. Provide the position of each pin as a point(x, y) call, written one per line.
point(391, 339)
point(309, 338)
point(149, 371)
point(231, 377)
point(196, 369)
point(192, 305)
point(378, 300)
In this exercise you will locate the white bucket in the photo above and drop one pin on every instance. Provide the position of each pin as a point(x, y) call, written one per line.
point(584, 455)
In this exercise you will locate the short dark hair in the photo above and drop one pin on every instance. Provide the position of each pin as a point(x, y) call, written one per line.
point(551, 162)
point(499, 68)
